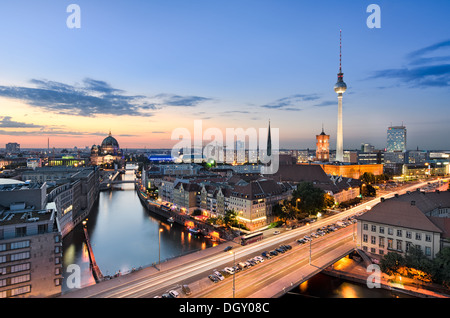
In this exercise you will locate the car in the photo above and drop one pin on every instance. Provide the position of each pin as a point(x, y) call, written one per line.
point(274, 253)
point(242, 265)
point(301, 241)
point(251, 262)
point(266, 255)
point(174, 293)
point(213, 278)
point(186, 289)
point(229, 270)
point(259, 259)
point(276, 232)
point(279, 250)
point(236, 269)
point(219, 275)
point(166, 295)
point(228, 248)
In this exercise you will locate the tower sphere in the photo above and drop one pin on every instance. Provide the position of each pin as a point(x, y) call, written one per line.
point(340, 87)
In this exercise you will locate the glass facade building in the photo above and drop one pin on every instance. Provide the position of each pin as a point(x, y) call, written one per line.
point(396, 139)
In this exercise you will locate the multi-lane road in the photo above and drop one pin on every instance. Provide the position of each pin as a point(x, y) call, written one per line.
point(194, 269)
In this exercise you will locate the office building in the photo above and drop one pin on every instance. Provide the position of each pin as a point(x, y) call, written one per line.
point(396, 139)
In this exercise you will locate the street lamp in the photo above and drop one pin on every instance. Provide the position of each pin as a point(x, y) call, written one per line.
point(296, 203)
point(159, 258)
point(310, 242)
point(234, 272)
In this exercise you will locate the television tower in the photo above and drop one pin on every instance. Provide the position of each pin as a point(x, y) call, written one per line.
point(340, 87)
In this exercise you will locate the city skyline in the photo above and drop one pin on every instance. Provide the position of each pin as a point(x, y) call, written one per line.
point(144, 68)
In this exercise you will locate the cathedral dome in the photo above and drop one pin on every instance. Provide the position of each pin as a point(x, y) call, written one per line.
point(110, 141)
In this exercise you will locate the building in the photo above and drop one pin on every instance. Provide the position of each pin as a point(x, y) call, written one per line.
point(73, 190)
point(323, 147)
point(12, 148)
point(186, 197)
point(396, 139)
point(30, 242)
point(415, 219)
point(108, 153)
point(354, 171)
point(254, 200)
point(340, 87)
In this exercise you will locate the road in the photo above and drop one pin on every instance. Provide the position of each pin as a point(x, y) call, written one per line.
point(195, 269)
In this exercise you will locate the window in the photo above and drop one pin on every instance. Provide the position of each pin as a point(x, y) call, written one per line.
point(399, 245)
point(408, 245)
point(20, 279)
point(428, 237)
point(365, 238)
point(390, 231)
point(399, 233)
point(20, 267)
point(418, 236)
point(20, 290)
point(381, 241)
point(21, 231)
point(374, 228)
point(21, 244)
point(373, 239)
point(408, 234)
point(390, 243)
point(381, 229)
point(19, 256)
point(365, 226)
point(42, 228)
point(427, 251)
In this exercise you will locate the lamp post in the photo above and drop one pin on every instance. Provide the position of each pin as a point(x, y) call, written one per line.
point(159, 257)
point(234, 273)
point(310, 242)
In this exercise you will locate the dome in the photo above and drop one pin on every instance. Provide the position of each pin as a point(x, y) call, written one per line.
point(110, 141)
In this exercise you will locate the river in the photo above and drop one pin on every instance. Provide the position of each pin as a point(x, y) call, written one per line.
point(124, 235)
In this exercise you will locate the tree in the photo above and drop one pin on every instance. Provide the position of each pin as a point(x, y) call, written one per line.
point(230, 218)
point(312, 199)
point(367, 177)
point(391, 262)
point(441, 267)
point(285, 211)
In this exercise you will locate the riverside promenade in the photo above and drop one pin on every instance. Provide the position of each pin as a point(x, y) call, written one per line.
point(351, 270)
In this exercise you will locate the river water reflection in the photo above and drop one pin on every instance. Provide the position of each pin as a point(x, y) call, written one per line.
point(124, 235)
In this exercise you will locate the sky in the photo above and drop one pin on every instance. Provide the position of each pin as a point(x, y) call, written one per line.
point(142, 69)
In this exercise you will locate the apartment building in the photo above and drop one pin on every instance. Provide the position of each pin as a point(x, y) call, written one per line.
point(415, 219)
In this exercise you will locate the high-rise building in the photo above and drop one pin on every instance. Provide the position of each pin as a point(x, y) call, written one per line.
point(12, 147)
point(340, 87)
point(396, 139)
point(323, 147)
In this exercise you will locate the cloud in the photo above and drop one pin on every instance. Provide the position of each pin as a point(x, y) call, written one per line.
point(290, 102)
point(326, 103)
point(177, 100)
point(92, 98)
point(422, 70)
point(6, 122)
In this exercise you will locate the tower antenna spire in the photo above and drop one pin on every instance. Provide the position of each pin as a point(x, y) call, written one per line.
point(340, 51)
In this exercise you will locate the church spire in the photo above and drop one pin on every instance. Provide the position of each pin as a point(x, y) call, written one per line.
point(269, 143)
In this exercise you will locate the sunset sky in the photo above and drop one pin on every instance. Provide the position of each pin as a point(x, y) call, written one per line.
point(143, 68)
